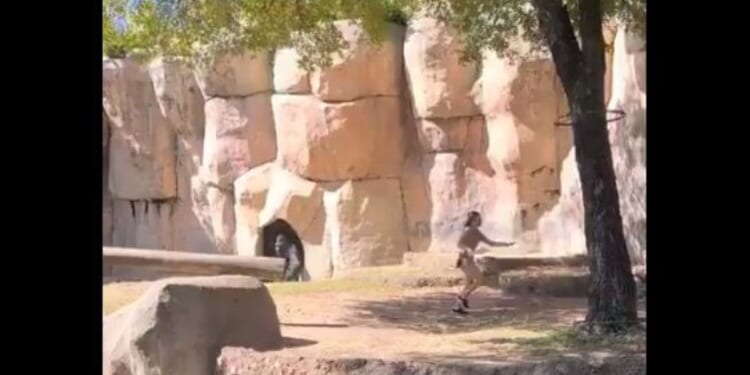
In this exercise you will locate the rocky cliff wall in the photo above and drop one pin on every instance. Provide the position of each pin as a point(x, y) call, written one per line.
point(382, 153)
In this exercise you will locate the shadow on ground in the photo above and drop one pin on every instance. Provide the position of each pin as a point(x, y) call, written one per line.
point(566, 341)
point(430, 312)
point(291, 342)
point(556, 344)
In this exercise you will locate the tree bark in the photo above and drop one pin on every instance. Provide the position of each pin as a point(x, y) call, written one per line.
point(612, 294)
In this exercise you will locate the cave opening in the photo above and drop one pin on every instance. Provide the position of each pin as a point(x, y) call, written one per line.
point(272, 230)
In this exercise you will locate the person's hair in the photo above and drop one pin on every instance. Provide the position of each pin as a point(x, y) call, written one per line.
point(472, 215)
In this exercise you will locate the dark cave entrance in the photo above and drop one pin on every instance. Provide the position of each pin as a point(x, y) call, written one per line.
point(273, 229)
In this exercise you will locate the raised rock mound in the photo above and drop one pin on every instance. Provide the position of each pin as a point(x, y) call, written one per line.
point(179, 326)
point(238, 361)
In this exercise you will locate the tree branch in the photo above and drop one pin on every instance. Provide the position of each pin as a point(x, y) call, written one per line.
point(554, 22)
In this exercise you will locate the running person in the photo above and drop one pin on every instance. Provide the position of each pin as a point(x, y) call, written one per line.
point(467, 245)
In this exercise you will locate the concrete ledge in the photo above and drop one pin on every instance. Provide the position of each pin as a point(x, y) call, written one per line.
point(565, 277)
point(564, 282)
point(494, 261)
point(194, 264)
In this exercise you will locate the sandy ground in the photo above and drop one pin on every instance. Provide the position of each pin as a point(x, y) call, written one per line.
point(406, 323)
point(418, 324)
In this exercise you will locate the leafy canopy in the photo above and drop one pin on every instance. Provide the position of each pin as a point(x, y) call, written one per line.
point(202, 29)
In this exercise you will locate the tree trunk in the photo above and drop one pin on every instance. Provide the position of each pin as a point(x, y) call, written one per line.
point(611, 295)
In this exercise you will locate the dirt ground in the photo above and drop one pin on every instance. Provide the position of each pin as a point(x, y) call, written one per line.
point(417, 324)
point(393, 322)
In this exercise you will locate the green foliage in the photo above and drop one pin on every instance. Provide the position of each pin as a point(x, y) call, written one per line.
point(397, 12)
point(203, 29)
point(495, 24)
point(116, 43)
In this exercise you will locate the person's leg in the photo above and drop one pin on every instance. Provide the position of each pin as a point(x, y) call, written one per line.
point(460, 306)
point(295, 273)
point(470, 287)
point(474, 285)
point(461, 264)
point(293, 267)
point(468, 282)
point(473, 275)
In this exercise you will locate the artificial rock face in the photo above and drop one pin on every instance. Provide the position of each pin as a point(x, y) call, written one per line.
point(250, 192)
point(448, 135)
point(215, 207)
point(142, 159)
point(142, 214)
point(383, 152)
point(239, 136)
point(339, 141)
point(367, 223)
point(106, 196)
point(181, 102)
point(487, 138)
point(288, 76)
point(344, 121)
point(440, 189)
point(234, 75)
point(361, 70)
point(440, 84)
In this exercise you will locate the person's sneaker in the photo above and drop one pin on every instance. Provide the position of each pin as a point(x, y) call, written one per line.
point(464, 302)
point(458, 309)
point(459, 306)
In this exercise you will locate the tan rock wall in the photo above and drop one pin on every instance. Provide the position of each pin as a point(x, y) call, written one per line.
point(181, 102)
point(369, 229)
point(361, 70)
point(107, 225)
point(381, 153)
point(339, 141)
point(236, 75)
point(487, 136)
point(141, 159)
point(239, 135)
point(434, 72)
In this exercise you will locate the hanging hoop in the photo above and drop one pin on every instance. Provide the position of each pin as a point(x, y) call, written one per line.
point(618, 114)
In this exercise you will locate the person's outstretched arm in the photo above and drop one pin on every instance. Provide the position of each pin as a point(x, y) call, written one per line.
point(495, 243)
